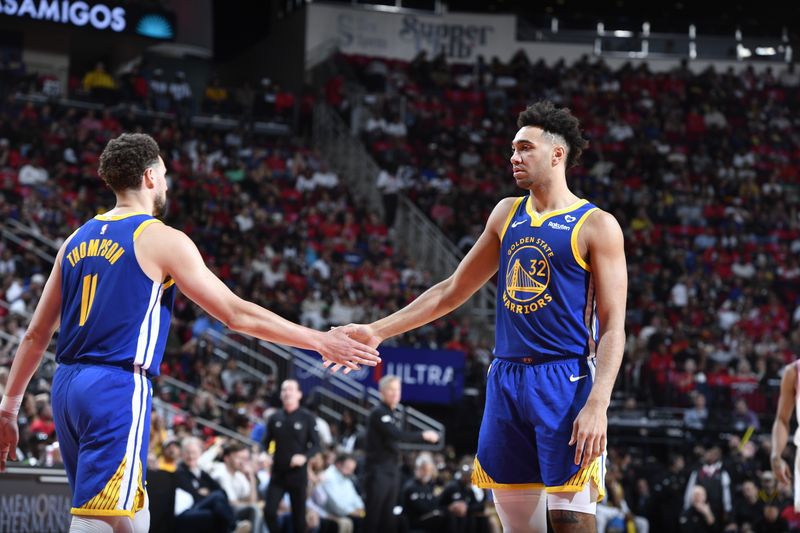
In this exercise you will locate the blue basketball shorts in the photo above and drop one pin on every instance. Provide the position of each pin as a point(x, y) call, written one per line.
point(527, 426)
point(102, 417)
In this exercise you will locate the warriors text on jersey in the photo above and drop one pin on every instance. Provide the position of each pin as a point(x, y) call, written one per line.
point(545, 292)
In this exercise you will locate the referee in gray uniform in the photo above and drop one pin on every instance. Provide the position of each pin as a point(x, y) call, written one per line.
point(382, 482)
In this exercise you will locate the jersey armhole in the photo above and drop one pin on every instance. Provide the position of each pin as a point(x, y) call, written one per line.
point(141, 227)
point(576, 253)
point(511, 215)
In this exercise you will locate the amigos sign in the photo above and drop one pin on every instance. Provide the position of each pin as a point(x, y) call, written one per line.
point(130, 19)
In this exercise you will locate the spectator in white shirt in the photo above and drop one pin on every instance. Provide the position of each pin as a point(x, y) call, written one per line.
point(236, 475)
point(325, 178)
point(33, 173)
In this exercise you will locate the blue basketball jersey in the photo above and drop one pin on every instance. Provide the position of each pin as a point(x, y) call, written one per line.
point(111, 311)
point(545, 294)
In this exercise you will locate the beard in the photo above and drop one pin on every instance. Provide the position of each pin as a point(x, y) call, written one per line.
point(160, 206)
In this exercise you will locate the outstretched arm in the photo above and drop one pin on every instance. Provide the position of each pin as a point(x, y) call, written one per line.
point(780, 429)
point(29, 354)
point(176, 255)
point(606, 252)
point(477, 267)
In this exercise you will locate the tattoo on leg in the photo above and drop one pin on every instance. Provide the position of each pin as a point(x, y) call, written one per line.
point(564, 517)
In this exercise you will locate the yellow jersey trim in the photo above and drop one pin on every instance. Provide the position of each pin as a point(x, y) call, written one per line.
point(119, 217)
point(574, 484)
point(105, 502)
point(538, 220)
point(144, 226)
point(576, 253)
point(511, 215)
point(169, 283)
point(482, 480)
point(80, 511)
point(106, 499)
point(583, 476)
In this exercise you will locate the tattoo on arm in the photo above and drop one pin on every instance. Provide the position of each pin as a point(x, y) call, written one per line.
point(564, 517)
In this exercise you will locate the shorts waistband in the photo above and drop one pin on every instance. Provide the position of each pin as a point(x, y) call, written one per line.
point(543, 359)
point(129, 367)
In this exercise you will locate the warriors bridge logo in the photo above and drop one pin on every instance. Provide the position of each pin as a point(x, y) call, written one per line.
point(527, 276)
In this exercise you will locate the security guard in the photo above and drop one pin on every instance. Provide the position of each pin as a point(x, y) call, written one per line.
point(383, 457)
point(291, 436)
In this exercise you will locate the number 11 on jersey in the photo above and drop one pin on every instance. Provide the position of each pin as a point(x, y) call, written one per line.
point(87, 296)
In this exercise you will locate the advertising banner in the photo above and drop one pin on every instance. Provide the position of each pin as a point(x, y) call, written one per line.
point(428, 376)
point(129, 18)
point(461, 36)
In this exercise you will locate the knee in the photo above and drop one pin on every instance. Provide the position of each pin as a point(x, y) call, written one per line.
point(141, 521)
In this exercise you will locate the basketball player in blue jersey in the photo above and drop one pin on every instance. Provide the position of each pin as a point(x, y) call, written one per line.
point(561, 293)
point(111, 291)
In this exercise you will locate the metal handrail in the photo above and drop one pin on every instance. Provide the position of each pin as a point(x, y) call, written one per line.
point(414, 231)
point(24, 314)
point(252, 354)
point(204, 422)
point(32, 232)
point(11, 236)
point(219, 402)
point(347, 386)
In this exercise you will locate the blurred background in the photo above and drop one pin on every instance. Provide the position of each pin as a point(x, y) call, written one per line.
point(332, 160)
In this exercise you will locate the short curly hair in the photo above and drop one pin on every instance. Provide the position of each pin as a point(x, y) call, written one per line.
point(559, 121)
point(125, 159)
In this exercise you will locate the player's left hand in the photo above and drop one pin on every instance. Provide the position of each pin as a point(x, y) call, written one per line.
point(360, 332)
point(342, 350)
point(589, 433)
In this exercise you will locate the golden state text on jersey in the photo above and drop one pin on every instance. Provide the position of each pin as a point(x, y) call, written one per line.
point(545, 292)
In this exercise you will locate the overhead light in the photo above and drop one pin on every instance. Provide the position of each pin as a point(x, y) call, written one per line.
point(765, 51)
point(623, 33)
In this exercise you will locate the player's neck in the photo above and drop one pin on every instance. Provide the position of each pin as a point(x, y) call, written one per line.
point(551, 197)
point(131, 202)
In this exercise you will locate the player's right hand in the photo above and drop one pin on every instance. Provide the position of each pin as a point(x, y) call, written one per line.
point(9, 436)
point(781, 470)
point(339, 349)
point(362, 333)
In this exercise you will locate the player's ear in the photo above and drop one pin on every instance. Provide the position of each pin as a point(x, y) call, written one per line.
point(149, 178)
point(559, 154)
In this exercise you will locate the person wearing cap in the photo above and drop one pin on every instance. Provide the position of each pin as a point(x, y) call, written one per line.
point(170, 452)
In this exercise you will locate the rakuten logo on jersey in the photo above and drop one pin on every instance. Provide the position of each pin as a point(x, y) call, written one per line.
point(556, 225)
point(98, 16)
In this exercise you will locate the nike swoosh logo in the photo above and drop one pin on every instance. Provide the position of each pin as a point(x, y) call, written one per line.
point(517, 223)
point(573, 378)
